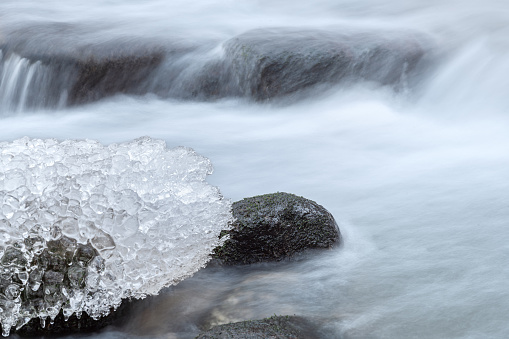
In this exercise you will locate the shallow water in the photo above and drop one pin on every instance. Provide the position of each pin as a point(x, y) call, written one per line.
point(417, 180)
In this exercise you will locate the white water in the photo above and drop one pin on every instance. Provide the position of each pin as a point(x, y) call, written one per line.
point(417, 182)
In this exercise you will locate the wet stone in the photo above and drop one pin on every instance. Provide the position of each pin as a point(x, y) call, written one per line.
point(269, 63)
point(276, 327)
point(276, 226)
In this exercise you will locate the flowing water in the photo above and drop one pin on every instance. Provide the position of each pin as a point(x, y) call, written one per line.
point(417, 179)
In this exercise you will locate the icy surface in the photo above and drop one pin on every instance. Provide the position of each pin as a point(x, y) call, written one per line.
point(83, 225)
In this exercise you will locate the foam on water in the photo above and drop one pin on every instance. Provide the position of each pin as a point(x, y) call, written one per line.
point(84, 226)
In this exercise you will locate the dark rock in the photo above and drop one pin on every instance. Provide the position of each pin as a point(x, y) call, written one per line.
point(213, 80)
point(276, 226)
point(58, 64)
point(268, 63)
point(277, 327)
point(97, 78)
point(77, 65)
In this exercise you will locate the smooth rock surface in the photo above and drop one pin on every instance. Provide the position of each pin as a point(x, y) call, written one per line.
point(63, 65)
point(268, 63)
point(57, 65)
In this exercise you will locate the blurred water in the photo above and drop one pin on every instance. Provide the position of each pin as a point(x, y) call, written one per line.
point(417, 181)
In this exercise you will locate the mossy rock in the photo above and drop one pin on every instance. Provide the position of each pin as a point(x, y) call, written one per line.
point(277, 327)
point(273, 227)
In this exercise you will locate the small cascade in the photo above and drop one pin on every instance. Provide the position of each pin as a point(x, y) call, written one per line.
point(26, 84)
point(260, 64)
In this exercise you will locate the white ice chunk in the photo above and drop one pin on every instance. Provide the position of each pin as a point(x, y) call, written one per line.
point(85, 225)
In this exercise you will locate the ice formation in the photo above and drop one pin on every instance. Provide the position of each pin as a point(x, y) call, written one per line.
point(83, 225)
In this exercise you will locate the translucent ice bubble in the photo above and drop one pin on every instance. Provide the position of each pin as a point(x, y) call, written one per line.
point(83, 226)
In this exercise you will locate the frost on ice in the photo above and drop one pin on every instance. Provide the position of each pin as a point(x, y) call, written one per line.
point(83, 226)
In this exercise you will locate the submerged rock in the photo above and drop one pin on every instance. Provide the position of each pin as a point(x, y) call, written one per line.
point(268, 63)
point(99, 78)
point(57, 64)
point(276, 226)
point(277, 327)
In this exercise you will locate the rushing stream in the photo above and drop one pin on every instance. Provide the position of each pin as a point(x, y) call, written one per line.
point(416, 176)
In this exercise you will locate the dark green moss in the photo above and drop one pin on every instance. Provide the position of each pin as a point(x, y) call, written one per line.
point(276, 226)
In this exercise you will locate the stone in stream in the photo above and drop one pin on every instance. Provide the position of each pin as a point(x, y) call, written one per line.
point(276, 226)
point(55, 65)
point(277, 327)
point(264, 64)
point(269, 63)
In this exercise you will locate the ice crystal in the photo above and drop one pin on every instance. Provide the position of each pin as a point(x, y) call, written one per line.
point(83, 226)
